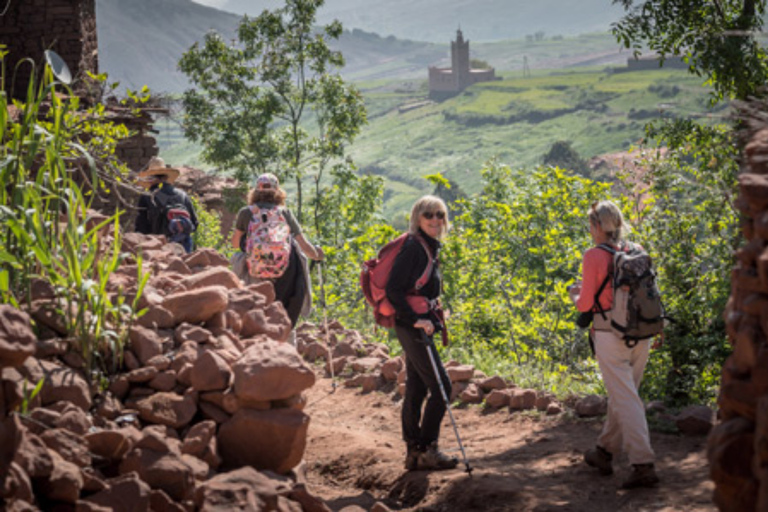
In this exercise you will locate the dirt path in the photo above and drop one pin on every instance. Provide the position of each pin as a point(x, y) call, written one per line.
point(521, 462)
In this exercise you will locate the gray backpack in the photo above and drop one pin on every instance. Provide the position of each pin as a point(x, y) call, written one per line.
point(637, 312)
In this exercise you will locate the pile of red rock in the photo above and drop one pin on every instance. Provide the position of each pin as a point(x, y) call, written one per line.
point(370, 367)
point(207, 413)
point(738, 446)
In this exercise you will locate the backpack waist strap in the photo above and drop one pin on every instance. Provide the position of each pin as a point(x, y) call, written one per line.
point(600, 323)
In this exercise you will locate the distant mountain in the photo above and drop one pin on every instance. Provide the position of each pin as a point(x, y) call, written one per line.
point(141, 42)
point(437, 20)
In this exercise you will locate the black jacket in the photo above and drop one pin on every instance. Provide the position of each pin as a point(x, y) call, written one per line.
point(407, 269)
point(144, 223)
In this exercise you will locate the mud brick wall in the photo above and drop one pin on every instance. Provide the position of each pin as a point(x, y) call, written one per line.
point(68, 27)
point(738, 446)
point(136, 150)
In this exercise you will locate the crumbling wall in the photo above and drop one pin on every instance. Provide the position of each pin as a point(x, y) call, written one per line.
point(68, 27)
point(738, 446)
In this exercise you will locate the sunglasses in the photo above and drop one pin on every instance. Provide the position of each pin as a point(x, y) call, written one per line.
point(429, 215)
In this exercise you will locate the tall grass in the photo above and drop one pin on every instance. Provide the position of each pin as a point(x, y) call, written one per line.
point(45, 230)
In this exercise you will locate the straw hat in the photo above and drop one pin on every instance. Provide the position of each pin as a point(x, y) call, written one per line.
point(156, 167)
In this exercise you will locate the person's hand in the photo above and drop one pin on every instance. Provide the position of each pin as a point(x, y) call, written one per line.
point(319, 254)
point(574, 291)
point(427, 326)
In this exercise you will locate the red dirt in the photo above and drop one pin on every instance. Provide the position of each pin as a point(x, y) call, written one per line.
point(521, 462)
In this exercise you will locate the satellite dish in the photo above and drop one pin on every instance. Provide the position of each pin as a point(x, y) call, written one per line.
point(59, 68)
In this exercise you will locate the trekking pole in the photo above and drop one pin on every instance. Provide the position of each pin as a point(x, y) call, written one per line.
point(325, 322)
point(430, 342)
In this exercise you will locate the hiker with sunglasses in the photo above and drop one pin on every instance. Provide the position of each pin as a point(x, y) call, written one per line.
point(621, 364)
point(418, 318)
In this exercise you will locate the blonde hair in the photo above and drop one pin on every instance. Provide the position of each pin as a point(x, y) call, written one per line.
point(429, 204)
point(607, 216)
point(268, 195)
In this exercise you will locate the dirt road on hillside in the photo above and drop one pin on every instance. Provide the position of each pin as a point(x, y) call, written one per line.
point(522, 462)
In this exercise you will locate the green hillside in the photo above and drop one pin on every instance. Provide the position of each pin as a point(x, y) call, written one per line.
point(515, 120)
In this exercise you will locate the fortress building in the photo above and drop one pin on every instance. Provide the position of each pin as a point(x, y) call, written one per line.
point(447, 82)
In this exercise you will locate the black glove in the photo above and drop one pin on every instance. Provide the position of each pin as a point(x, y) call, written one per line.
point(584, 320)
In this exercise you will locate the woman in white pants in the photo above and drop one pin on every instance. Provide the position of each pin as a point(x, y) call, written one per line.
point(621, 365)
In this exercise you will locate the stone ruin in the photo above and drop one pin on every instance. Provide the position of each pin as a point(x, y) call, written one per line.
point(738, 446)
point(68, 27)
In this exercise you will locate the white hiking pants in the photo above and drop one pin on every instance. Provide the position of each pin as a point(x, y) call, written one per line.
point(625, 428)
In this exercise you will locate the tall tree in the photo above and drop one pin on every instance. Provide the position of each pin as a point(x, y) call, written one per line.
point(273, 99)
point(715, 37)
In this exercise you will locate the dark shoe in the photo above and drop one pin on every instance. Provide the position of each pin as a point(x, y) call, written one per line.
point(598, 457)
point(643, 475)
point(412, 457)
point(432, 459)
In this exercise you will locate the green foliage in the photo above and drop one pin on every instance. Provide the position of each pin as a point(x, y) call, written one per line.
point(29, 396)
point(208, 233)
point(507, 264)
point(47, 232)
point(717, 39)
point(254, 99)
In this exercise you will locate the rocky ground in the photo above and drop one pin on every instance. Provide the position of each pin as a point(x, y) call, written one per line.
point(521, 461)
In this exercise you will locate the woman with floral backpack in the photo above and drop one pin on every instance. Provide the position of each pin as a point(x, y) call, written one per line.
point(270, 246)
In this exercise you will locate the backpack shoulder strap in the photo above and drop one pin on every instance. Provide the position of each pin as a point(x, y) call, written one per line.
point(607, 248)
point(610, 250)
point(422, 281)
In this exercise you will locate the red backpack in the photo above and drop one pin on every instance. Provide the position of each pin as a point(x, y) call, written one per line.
point(375, 274)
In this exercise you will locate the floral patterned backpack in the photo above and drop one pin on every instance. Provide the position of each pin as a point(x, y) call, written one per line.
point(268, 246)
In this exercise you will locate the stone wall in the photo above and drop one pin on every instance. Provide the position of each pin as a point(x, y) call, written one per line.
point(30, 27)
point(738, 446)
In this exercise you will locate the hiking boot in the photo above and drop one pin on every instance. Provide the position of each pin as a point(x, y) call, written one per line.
point(643, 475)
point(412, 457)
point(598, 457)
point(432, 458)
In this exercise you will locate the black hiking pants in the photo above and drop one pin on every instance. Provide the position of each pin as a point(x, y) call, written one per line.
point(417, 430)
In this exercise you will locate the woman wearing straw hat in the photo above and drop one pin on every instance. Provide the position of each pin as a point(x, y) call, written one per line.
point(165, 210)
point(268, 229)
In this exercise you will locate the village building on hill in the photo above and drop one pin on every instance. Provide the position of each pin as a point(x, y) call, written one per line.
point(447, 82)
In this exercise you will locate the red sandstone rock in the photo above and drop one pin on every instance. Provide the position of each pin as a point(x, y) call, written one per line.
point(71, 447)
point(167, 409)
point(17, 341)
point(197, 305)
point(498, 398)
point(391, 368)
point(472, 394)
point(491, 383)
point(126, 493)
point(461, 373)
point(64, 483)
point(273, 440)
point(218, 276)
point(145, 343)
point(210, 372)
point(271, 371)
point(112, 445)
